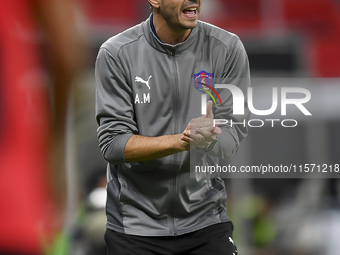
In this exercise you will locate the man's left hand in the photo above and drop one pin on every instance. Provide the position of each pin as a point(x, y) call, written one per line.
point(201, 131)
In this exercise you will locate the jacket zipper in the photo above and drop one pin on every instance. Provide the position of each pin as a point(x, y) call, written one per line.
point(176, 130)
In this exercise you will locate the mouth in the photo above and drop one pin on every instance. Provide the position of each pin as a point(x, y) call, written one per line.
point(190, 12)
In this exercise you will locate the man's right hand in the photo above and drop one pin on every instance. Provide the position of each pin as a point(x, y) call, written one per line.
point(201, 131)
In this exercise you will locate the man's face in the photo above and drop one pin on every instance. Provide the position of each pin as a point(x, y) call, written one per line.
point(180, 14)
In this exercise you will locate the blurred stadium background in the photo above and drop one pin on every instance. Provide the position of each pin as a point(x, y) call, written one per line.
point(289, 43)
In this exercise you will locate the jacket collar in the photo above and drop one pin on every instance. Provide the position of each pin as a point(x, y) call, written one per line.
point(154, 41)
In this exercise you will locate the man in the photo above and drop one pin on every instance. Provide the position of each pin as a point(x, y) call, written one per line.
point(32, 136)
point(151, 80)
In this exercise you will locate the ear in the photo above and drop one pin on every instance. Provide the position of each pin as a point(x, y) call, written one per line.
point(154, 3)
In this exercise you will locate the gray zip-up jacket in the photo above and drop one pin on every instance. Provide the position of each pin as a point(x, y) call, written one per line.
point(150, 88)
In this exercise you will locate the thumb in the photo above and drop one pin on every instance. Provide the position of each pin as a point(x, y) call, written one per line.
point(209, 113)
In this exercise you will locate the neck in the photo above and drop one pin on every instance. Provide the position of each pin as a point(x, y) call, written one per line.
point(167, 34)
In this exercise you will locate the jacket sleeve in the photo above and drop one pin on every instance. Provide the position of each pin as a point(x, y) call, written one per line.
point(114, 107)
point(236, 72)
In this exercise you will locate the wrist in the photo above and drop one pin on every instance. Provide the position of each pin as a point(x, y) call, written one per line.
point(179, 144)
point(208, 147)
